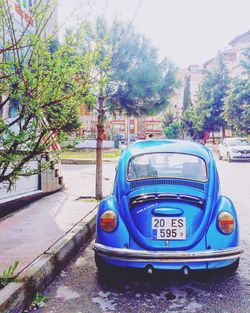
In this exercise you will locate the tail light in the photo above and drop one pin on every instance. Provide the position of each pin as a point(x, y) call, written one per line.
point(108, 221)
point(226, 223)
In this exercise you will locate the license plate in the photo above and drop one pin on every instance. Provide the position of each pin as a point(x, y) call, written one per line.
point(170, 228)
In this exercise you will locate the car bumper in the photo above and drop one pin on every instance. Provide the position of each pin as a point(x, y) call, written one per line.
point(240, 158)
point(129, 255)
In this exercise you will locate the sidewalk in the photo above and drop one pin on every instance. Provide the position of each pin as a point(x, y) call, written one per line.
point(26, 234)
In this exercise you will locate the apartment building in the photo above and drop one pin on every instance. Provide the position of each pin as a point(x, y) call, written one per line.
point(238, 45)
point(194, 72)
point(233, 54)
point(138, 127)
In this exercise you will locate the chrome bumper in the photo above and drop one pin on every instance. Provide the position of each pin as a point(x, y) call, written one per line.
point(129, 255)
point(240, 157)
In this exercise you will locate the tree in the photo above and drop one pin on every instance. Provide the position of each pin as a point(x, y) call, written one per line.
point(187, 102)
point(173, 131)
point(129, 77)
point(211, 95)
point(168, 118)
point(237, 103)
point(191, 122)
point(171, 126)
point(40, 87)
point(186, 124)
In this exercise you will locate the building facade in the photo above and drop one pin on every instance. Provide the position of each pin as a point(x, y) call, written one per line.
point(194, 72)
point(233, 54)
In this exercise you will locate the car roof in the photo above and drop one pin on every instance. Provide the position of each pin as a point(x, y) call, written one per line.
point(166, 145)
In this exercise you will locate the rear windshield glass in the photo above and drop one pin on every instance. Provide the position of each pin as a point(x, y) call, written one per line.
point(165, 165)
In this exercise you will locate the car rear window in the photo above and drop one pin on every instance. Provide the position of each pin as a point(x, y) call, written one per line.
point(167, 165)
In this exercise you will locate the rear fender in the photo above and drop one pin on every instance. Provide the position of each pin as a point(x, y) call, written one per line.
point(217, 240)
point(119, 238)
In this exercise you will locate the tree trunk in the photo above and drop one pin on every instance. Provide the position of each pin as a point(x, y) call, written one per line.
point(128, 131)
point(213, 138)
point(100, 131)
point(223, 132)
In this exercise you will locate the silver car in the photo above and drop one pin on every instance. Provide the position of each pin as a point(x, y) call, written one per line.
point(234, 149)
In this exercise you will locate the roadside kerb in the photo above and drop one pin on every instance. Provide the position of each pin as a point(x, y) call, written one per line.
point(16, 296)
point(85, 161)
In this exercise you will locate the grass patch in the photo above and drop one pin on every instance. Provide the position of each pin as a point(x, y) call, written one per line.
point(90, 154)
point(8, 274)
point(38, 302)
point(87, 199)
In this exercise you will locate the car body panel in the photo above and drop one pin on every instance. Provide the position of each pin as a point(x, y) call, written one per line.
point(137, 202)
point(234, 152)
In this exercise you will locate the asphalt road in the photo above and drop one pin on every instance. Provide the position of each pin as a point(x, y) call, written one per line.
point(79, 288)
point(75, 177)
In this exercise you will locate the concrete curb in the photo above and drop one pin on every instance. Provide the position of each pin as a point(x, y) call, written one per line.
point(85, 161)
point(16, 296)
point(78, 161)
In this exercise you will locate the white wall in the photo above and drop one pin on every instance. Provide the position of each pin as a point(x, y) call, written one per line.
point(23, 184)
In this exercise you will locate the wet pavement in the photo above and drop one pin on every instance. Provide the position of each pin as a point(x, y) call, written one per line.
point(80, 289)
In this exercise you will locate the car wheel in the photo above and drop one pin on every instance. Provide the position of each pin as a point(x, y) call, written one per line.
point(229, 157)
point(231, 269)
point(102, 267)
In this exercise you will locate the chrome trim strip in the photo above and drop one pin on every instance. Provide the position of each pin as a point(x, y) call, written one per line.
point(123, 254)
point(165, 196)
point(241, 158)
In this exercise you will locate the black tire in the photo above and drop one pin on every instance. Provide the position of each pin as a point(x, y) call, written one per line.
point(228, 157)
point(102, 267)
point(231, 269)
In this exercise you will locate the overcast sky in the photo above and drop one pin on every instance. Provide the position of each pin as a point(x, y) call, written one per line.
point(187, 31)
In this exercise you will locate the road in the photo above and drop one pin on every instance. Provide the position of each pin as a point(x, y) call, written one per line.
point(75, 179)
point(79, 289)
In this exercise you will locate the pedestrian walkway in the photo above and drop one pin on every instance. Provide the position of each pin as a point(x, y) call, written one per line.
point(26, 234)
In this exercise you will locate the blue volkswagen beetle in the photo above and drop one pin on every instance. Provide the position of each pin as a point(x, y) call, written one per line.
point(167, 212)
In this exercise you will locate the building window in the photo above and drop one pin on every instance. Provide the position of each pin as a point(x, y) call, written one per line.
point(13, 108)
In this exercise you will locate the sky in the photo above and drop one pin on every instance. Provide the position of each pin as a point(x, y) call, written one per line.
point(186, 31)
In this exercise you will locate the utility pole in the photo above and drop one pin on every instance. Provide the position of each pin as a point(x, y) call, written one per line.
point(100, 131)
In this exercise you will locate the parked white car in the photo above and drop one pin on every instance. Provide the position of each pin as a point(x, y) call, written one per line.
point(234, 149)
